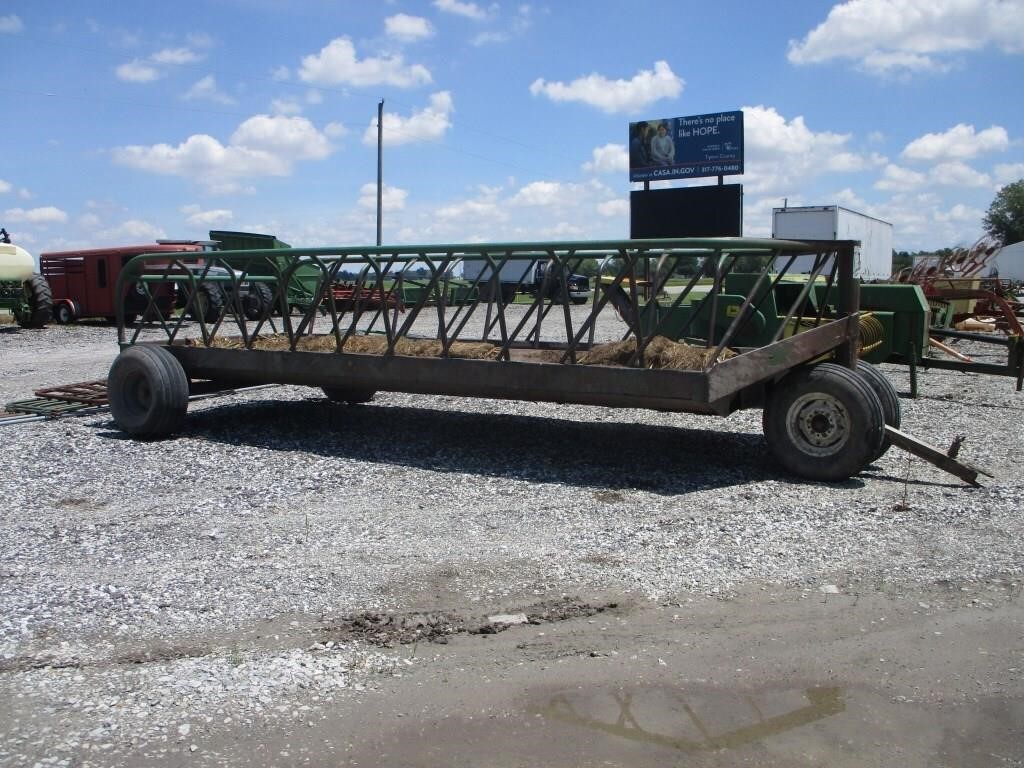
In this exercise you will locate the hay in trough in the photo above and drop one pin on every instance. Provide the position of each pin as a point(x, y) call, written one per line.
point(365, 345)
point(659, 353)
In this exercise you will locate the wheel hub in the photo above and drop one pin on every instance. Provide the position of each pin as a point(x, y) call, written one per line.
point(819, 423)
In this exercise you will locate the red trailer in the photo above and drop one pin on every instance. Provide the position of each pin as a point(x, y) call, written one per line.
point(83, 282)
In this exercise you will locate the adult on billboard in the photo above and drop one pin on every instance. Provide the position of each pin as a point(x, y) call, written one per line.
point(639, 156)
point(663, 149)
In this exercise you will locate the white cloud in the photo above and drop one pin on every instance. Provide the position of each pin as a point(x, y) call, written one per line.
point(468, 10)
point(285, 107)
point(137, 71)
point(5, 187)
point(429, 124)
point(314, 96)
point(337, 64)
point(960, 213)
point(612, 208)
point(781, 154)
point(392, 198)
point(44, 215)
point(899, 179)
point(335, 130)
point(548, 194)
point(206, 90)
point(292, 137)
point(89, 221)
point(960, 142)
point(611, 96)
point(11, 25)
point(1007, 173)
point(196, 216)
point(885, 36)
point(408, 28)
point(483, 208)
point(958, 174)
point(281, 74)
point(611, 158)
point(133, 230)
point(176, 56)
point(263, 145)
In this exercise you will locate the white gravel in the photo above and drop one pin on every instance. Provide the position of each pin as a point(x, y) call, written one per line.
point(149, 589)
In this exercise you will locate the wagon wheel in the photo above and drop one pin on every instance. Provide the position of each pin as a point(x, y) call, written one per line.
point(208, 303)
point(36, 309)
point(350, 396)
point(257, 300)
point(886, 392)
point(823, 422)
point(148, 392)
point(64, 314)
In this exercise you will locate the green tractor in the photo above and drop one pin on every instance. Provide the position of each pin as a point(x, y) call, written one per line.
point(23, 291)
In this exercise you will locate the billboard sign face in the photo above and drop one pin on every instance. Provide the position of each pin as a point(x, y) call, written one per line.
point(686, 147)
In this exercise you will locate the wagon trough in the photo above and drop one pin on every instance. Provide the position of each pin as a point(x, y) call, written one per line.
point(700, 345)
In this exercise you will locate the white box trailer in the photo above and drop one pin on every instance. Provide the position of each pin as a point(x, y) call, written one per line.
point(872, 261)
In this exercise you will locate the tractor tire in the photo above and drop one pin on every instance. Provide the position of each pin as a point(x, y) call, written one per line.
point(258, 301)
point(64, 314)
point(148, 392)
point(823, 422)
point(350, 396)
point(208, 303)
point(37, 309)
point(886, 392)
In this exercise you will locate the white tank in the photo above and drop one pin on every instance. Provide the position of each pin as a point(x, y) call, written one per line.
point(15, 263)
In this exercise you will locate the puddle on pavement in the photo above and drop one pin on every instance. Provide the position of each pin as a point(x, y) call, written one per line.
point(694, 721)
point(699, 726)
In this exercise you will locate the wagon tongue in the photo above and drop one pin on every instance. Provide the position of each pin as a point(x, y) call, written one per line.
point(947, 462)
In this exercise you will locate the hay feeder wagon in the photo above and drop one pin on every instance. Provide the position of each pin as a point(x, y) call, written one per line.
point(824, 416)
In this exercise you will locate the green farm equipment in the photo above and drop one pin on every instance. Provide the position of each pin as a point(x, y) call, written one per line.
point(23, 292)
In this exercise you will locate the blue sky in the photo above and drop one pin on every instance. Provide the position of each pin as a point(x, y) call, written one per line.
point(131, 121)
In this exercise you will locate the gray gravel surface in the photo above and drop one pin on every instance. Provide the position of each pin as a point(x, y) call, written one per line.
point(149, 590)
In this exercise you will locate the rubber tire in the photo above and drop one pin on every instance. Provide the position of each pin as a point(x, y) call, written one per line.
point(830, 387)
point(148, 392)
point(257, 300)
point(64, 314)
point(350, 396)
point(40, 303)
point(209, 298)
point(886, 392)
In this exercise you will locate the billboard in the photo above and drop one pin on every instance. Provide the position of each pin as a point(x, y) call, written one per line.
point(686, 147)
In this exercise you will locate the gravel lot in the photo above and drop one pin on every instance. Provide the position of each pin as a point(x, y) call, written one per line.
point(156, 598)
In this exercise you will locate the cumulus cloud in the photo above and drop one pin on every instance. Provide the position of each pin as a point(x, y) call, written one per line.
point(781, 153)
point(176, 56)
point(11, 25)
point(5, 187)
point(206, 89)
point(484, 207)
point(47, 214)
point(960, 142)
point(197, 217)
point(263, 145)
point(137, 71)
point(899, 179)
point(468, 10)
point(548, 194)
point(959, 174)
point(407, 28)
point(611, 158)
point(429, 124)
point(285, 107)
point(613, 208)
point(611, 96)
point(884, 36)
point(1007, 173)
point(337, 64)
point(131, 230)
point(392, 198)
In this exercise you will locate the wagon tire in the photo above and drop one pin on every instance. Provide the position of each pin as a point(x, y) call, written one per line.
point(257, 300)
point(209, 302)
point(37, 310)
point(823, 422)
point(64, 314)
point(148, 392)
point(886, 392)
point(350, 396)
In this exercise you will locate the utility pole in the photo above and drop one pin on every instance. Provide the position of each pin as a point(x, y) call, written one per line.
point(380, 167)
